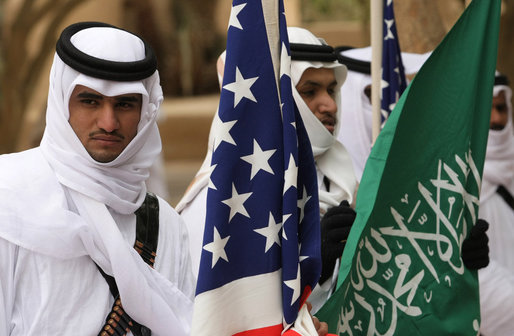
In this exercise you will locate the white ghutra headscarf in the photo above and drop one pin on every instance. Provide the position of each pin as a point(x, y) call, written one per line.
point(499, 155)
point(89, 228)
point(120, 184)
point(332, 158)
point(356, 114)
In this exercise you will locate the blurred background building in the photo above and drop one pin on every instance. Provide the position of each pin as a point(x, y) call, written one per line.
point(188, 36)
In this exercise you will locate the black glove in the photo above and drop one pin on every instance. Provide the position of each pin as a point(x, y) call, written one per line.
point(335, 228)
point(475, 248)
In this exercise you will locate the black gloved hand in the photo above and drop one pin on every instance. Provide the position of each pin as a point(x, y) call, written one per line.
point(475, 248)
point(335, 228)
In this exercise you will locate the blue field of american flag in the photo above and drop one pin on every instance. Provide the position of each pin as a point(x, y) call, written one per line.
point(393, 73)
point(261, 248)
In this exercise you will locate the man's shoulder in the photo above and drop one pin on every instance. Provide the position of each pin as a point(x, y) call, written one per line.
point(166, 211)
point(172, 228)
point(21, 167)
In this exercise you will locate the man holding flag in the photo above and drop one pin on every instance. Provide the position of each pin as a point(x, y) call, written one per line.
point(317, 77)
point(402, 270)
point(260, 257)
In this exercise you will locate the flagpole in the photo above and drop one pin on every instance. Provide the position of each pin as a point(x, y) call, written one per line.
point(376, 18)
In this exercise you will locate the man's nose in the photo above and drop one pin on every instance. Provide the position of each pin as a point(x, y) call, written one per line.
point(495, 117)
point(327, 104)
point(107, 118)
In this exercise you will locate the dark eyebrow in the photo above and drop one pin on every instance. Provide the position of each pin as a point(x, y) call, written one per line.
point(89, 95)
point(314, 83)
point(134, 99)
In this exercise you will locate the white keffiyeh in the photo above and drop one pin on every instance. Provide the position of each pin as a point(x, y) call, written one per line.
point(356, 111)
point(497, 279)
point(499, 157)
point(332, 159)
point(51, 229)
point(120, 183)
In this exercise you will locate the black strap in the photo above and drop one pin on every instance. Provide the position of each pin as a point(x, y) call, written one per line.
point(118, 322)
point(505, 194)
point(326, 182)
point(501, 79)
point(102, 68)
point(352, 64)
point(312, 52)
point(110, 281)
point(147, 229)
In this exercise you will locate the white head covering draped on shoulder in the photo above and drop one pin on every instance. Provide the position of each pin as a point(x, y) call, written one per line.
point(499, 156)
point(88, 228)
point(120, 184)
point(356, 113)
point(332, 158)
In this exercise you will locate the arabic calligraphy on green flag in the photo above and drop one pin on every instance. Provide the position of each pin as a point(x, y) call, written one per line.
point(402, 272)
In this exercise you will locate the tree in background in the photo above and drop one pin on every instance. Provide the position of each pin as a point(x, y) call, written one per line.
point(187, 43)
point(506, 47)
point(186, 40)
point(21, 65)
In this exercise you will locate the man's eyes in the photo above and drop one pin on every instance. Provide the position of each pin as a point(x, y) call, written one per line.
point(125, 105)
point(121, 104)
point(88, 101)
point(501, 107)
point(307, 93)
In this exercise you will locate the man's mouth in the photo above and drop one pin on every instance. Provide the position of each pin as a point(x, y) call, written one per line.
point(104, 136)
point(496, 127)
point(109, 138)
point(329, 124)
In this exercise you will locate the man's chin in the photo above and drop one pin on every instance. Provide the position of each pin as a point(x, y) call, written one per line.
point(103, 157)
point(330, 128)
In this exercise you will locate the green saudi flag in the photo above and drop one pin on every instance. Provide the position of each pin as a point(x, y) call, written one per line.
point(402, 272)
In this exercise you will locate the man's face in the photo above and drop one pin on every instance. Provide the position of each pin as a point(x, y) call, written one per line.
point(317, 88)
point(105, 125)
point(499, 112)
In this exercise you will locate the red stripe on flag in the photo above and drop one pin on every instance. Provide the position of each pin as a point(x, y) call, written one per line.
point(294, 333)
point(267, 331)
point(306, 292)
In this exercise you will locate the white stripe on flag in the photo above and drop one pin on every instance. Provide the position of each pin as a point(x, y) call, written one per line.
point(242, 301)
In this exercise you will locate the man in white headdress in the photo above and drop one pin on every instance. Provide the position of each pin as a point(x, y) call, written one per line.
point(497, 207)
point(320, 81)
point(355, 134)
point(356, 114)
point(316, 77)
point(84, 249)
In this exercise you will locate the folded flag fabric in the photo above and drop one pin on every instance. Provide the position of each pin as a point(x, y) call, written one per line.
point(401, 271)
point(261, 248)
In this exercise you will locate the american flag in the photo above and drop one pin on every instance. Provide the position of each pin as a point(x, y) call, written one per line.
point(393, 73)
point(261, 247)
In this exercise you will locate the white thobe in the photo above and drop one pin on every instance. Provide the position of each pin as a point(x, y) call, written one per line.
point(497, 279)
point(194, 215)
point(45, 295)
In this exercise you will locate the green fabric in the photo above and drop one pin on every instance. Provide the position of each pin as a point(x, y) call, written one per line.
point(401, 272)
